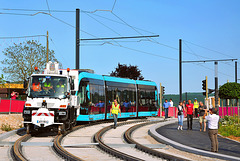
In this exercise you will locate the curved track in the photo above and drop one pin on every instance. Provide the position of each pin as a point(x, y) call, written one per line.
point(130, 140)
point(135, 151)
point(96, 141)
point(17, 153)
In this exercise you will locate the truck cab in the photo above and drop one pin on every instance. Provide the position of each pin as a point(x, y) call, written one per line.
point(51, 101)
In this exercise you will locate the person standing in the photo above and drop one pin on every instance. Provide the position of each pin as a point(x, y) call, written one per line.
point(189, 108)
point(166, 105)
point(115, 110)
point(127, 105)
point(196, 105)
point(213, 120)
point(202, 108)
point(180, 110)
point(101, 106)
point(14, 95)
point(171, 102)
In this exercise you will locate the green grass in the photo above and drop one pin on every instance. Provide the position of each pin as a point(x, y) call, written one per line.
point(229, 126)
point(6, 127)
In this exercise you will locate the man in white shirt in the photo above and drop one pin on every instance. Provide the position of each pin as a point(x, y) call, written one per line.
point(171, 102)
point(213, 128)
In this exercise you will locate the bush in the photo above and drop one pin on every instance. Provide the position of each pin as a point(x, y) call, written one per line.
point(6, 127)
point(229, 126)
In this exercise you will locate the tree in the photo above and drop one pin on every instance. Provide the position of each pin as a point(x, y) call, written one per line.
point(22, 58)
point(2, 81)
point(230, 91)
point(125, 71)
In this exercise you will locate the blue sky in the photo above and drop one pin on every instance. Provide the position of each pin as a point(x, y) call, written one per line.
point(211, 24)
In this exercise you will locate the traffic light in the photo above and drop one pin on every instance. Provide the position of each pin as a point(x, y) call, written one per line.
point(163, 90)
point(204, 84)
point(204, 93)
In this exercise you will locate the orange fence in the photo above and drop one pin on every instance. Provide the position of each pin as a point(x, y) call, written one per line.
point(10, 105)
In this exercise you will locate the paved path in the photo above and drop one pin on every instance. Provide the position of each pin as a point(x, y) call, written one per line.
point(195, 138)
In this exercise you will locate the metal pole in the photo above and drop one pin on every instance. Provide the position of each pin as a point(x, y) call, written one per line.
point(160, 99)
point(207, 91)
point(186, 96)
point(47, 46)
point(77, 38)
point(216, 84)
point(10, 106)
point(236, 71)
point(180, 69)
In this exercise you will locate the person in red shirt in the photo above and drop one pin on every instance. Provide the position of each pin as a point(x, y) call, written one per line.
point(14, 95)
point(189, 108)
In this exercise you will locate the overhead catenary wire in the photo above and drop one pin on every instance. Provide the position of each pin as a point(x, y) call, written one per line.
point(94, 14)
point(48, 7)
point(103, 24)
point(38, 10)
point(208, 49)
point(193, 53)
point(114, 4)
point(17, 37)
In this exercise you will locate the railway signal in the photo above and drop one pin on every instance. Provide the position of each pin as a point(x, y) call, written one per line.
point(204, 84)
point(163, 90)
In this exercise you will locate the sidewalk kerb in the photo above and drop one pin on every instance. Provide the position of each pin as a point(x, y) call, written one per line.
point(10, 133)
point(162, 139)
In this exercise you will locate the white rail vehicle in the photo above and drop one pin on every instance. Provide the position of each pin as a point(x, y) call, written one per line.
point(51, 101)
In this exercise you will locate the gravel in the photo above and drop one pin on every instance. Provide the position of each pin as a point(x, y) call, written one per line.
point(14, 120)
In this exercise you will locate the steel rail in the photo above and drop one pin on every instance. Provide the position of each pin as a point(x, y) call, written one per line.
point(98, 139)
point(57, 147)
point(128, 138)
point(16, 150)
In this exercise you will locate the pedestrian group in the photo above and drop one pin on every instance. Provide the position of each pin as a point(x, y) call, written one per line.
point(200, 111)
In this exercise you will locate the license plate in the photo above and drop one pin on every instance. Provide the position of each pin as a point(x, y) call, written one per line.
point(42, 121)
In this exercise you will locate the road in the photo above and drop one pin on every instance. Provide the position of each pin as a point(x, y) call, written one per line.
point(195, 138)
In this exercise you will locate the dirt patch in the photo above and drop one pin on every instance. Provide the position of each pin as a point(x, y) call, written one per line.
point(13, 120)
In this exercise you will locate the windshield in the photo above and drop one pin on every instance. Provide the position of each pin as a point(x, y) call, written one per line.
point(47, 86)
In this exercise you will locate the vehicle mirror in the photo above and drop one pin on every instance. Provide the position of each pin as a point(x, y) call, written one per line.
point(72, 86)
point(25, 84)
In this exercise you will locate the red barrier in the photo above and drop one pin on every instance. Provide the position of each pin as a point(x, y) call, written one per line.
point(16, 106)
point(231, 111)
point(171, 112)
point(222, 112)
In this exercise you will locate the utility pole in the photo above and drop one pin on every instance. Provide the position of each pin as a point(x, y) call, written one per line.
point(180, 69)
point(236, 71)
point(47, 46)
point(216, 84)
point(207, 92)
point(77, 37)
point(160, 99)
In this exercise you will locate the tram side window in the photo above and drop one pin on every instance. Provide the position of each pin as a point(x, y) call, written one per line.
point(126, 97)
point(147, 100)
point(96, 102)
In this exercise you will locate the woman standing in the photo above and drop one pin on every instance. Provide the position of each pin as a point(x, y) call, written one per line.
point(180, 110)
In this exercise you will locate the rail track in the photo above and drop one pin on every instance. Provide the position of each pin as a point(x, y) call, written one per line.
point(16, 150)
point(70, 146)
point(156, 155)
point(128, 138)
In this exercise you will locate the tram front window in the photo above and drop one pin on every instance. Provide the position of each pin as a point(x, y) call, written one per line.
point(50, 86)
